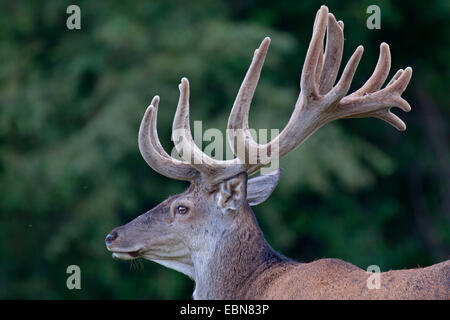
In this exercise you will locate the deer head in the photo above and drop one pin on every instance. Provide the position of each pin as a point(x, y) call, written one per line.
point(186, 231)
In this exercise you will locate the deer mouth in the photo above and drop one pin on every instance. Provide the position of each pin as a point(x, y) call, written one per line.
point(127, 255)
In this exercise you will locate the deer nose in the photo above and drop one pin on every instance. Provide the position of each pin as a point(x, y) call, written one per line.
point(111, 237)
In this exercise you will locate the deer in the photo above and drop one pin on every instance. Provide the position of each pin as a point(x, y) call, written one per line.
point(210, 233)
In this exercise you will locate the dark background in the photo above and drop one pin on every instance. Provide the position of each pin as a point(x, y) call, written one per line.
point(71, 102)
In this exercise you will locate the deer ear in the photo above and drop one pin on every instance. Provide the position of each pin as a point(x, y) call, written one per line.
point(262, 186)
point(232, 193)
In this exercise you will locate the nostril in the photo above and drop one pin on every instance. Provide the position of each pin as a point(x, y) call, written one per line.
point(111, 237)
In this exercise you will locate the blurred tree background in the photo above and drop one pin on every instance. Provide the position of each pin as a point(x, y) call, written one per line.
point(72, 101)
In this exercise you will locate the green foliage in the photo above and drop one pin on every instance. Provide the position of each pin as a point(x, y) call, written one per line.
point(72, 100)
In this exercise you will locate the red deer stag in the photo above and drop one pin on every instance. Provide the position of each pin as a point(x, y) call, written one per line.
point(210, 233)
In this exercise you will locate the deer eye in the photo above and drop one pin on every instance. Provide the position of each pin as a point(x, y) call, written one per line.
point(182, 210)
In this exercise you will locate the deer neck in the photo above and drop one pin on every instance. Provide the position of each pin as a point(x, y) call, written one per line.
point(222, 269)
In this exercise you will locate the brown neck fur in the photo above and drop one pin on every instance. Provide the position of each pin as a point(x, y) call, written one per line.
point(241, 254)
point(242, 265)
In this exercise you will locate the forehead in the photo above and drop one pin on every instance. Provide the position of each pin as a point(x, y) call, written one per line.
point(193, 191)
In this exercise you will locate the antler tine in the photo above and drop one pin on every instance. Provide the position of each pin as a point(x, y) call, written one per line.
point(333, 54)
point(237, 129)
point(239, 136)
point(212, 170)
point(153, 152)
point(396, 76)
point(380, 73)
point(308, 82)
